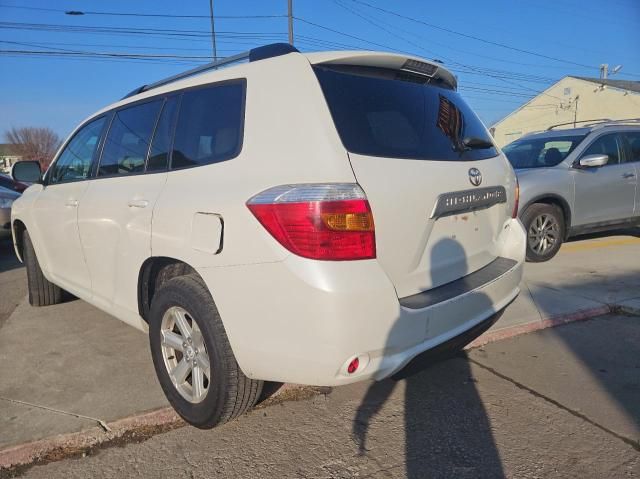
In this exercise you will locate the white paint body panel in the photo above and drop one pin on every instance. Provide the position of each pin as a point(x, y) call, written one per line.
point(114, 220)
point(288, 318)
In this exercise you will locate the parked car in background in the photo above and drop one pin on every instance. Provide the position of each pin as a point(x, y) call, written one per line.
point(575, 181)
point(315, 218)
point(7, 197)
point(11, 184)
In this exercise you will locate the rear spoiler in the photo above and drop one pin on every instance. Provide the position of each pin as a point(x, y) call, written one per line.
point(431, 70)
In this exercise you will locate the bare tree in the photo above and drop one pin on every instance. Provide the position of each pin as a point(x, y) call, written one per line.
point(34, 143)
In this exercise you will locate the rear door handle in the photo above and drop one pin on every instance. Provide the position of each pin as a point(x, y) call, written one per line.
point(71, 203)
point(138, 203)
point(628, 175)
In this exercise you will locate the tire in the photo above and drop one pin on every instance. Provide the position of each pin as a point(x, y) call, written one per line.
point(42, 292)
point(536, 216)
point(229, 393)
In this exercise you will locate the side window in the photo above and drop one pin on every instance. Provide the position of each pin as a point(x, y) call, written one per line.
point(159, 155)
point(210, 124)
point(127, 142)
point(606, 145)
point(74, 163)
point(633, 140)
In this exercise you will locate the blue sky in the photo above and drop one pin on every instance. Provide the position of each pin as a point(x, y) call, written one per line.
point(568, 37)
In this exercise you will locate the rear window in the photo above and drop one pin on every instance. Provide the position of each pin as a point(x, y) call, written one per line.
point(378, 115)
point(541, 152)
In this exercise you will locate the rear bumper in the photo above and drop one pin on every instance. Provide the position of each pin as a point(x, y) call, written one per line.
point(303, 321)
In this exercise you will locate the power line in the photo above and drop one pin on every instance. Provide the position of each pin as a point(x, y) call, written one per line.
point(497, 77)
point(107, 54)
point(385, 47)
point(142, 47)
point(132, 14)
point(471, 37)
point(450, 47)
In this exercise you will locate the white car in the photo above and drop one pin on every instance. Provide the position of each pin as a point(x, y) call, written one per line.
point(316, 218)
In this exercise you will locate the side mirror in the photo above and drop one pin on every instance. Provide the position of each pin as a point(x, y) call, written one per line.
point(593, 161)
point(27, 172)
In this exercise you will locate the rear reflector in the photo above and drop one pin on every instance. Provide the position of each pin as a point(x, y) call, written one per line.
point(353, 366)
point(516, 203)
point(318, 221)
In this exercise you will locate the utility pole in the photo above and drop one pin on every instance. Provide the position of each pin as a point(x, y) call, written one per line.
point(290, 15)
point(213, 32)
point(604, 70)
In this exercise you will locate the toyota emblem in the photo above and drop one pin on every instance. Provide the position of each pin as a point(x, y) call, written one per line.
point(475, 177)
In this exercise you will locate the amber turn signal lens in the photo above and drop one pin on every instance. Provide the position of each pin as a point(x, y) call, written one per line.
point(349, 221)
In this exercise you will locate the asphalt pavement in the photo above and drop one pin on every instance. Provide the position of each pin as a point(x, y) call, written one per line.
point(542, 405)
point(560, 402)
point(13, 281)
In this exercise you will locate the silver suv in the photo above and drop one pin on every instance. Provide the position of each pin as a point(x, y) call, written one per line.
point(575, 181)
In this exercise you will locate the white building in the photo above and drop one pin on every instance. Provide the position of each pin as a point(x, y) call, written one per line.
point(571, 99)
point(8, 156)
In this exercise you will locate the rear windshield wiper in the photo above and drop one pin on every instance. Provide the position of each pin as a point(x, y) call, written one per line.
point(476, 143)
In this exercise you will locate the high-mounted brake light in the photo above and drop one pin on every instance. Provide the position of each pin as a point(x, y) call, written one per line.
point(516, 203)
point(330, 221)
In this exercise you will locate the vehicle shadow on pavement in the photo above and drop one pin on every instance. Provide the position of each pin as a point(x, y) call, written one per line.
point(447, 430)
point(8, 259)
point(632, 232)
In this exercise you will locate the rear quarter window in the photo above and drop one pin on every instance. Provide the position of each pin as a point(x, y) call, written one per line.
point(396, 118)
point(210, 125)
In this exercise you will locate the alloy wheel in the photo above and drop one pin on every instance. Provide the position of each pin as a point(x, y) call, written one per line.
point(543, 234)
point(185, 354)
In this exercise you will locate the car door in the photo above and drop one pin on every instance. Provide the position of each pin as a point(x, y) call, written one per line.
point(55, 211)
point(633, 157)
point(115, 216)
point(607, 193)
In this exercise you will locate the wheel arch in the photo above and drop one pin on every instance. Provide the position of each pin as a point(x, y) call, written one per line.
point(154, 272)
point(18, 229)
point(556, 200)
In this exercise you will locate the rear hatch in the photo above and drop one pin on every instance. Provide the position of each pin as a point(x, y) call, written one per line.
point(435, 182)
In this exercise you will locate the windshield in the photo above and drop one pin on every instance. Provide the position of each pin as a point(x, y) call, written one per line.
point(541, 152)
point(380, 112)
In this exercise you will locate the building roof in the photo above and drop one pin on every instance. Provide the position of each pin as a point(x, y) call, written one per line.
point(7, 149)
point(622, 84)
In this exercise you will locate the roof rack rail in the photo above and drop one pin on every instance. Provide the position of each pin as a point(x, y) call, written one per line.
point(627, 121)
point(255, 54)
point(597, 122)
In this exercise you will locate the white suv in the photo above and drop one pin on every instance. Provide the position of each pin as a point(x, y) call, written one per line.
point(307, 218)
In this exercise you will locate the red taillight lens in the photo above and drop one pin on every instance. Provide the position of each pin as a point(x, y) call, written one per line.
point(334, 223)
point(516, 203)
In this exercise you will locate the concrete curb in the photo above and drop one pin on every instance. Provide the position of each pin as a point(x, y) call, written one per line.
point(511, 331)
point(64, 445)
point(142, 426)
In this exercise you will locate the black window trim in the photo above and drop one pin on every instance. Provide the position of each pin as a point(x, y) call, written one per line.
point(621, 147)
point(96, 153)
point(109, 114)
point(174, 126)
point(627, 145)
point(96, 166)
point(238, 151)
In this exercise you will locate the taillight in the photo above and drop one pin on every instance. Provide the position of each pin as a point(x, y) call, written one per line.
point(318, 221)
point(516, 203)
